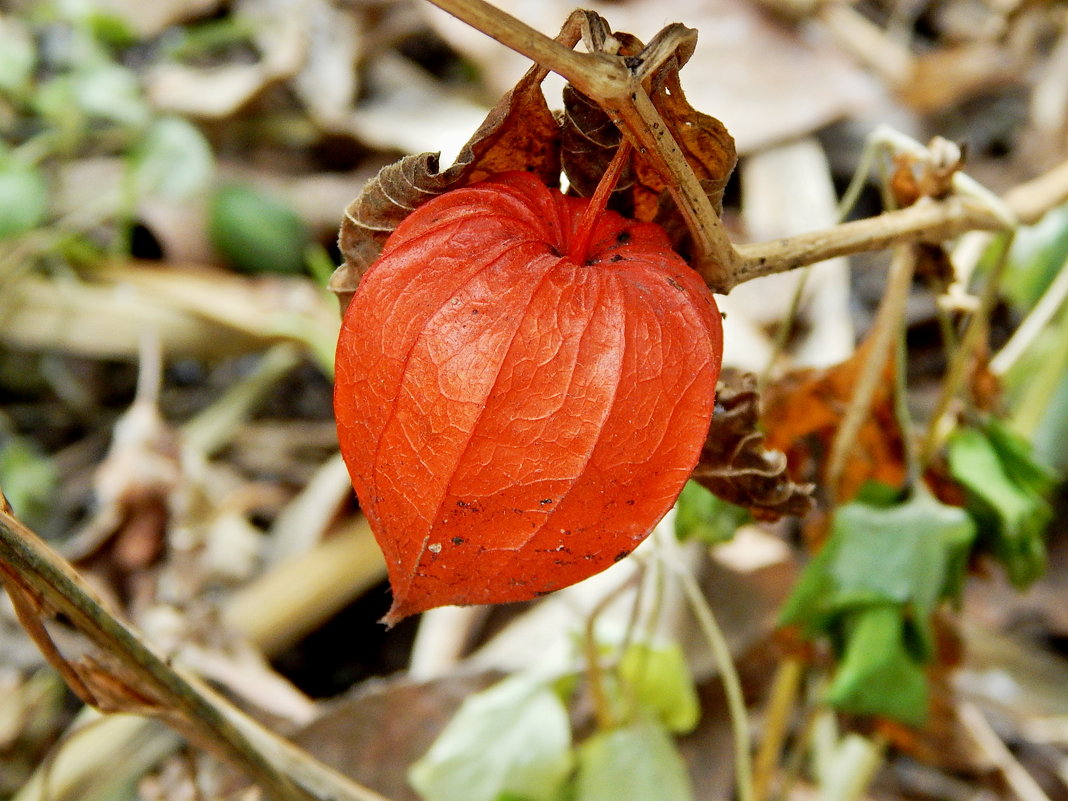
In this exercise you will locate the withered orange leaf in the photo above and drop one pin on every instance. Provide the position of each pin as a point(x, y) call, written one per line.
point(704, 140)
point(736, 465)
point(802, 413)
point(518, 410)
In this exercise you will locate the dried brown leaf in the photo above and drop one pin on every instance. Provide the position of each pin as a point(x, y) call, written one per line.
point(519, 133)
point(928, 175)
point(736, 465)
point(589, 139)
point(706, 143)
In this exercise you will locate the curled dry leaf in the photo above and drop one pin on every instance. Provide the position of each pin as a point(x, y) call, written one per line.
point(588, 141)
point(930, 175)
point(520, 133)
point(735, 463)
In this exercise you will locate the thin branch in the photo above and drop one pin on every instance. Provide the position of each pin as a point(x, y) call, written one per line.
point(970, 343)
point(1034, 323)
point(1020, 783)
point(1031, 200)
point(732, 685)
point(885, 331)
point(517, 35)
point(928, 220)
point(784, 693)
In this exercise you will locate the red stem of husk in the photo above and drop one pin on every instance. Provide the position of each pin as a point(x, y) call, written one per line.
point(580, 245)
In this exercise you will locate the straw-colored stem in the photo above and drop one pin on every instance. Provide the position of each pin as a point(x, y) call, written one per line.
point(885, 330)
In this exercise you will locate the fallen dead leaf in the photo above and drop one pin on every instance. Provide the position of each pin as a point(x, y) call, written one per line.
point(373, 734)
point(149, 19)
point(327, 82)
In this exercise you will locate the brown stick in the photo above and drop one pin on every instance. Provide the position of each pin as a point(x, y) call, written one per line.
point(927, 220)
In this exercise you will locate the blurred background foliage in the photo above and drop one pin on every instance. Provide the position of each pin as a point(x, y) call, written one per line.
point(172, 176)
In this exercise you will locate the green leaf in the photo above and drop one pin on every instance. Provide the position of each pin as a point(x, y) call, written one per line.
point(23, 198)
point(256, 233)
point(702, 516)
point(1017, 455)
point(1051, 425)
point(1006, 490)
point(661, 685)
point(912, 554)
point(174, 160)
point(638, 762)
point(511, 740)
point(1038, 253)
point(878, 675)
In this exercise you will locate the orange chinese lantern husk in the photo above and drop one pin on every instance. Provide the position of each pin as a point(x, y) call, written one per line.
point(515, 419)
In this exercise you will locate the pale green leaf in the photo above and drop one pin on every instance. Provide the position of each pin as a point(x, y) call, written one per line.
point(659, 681)
point(639, 762)
point(513, 739)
